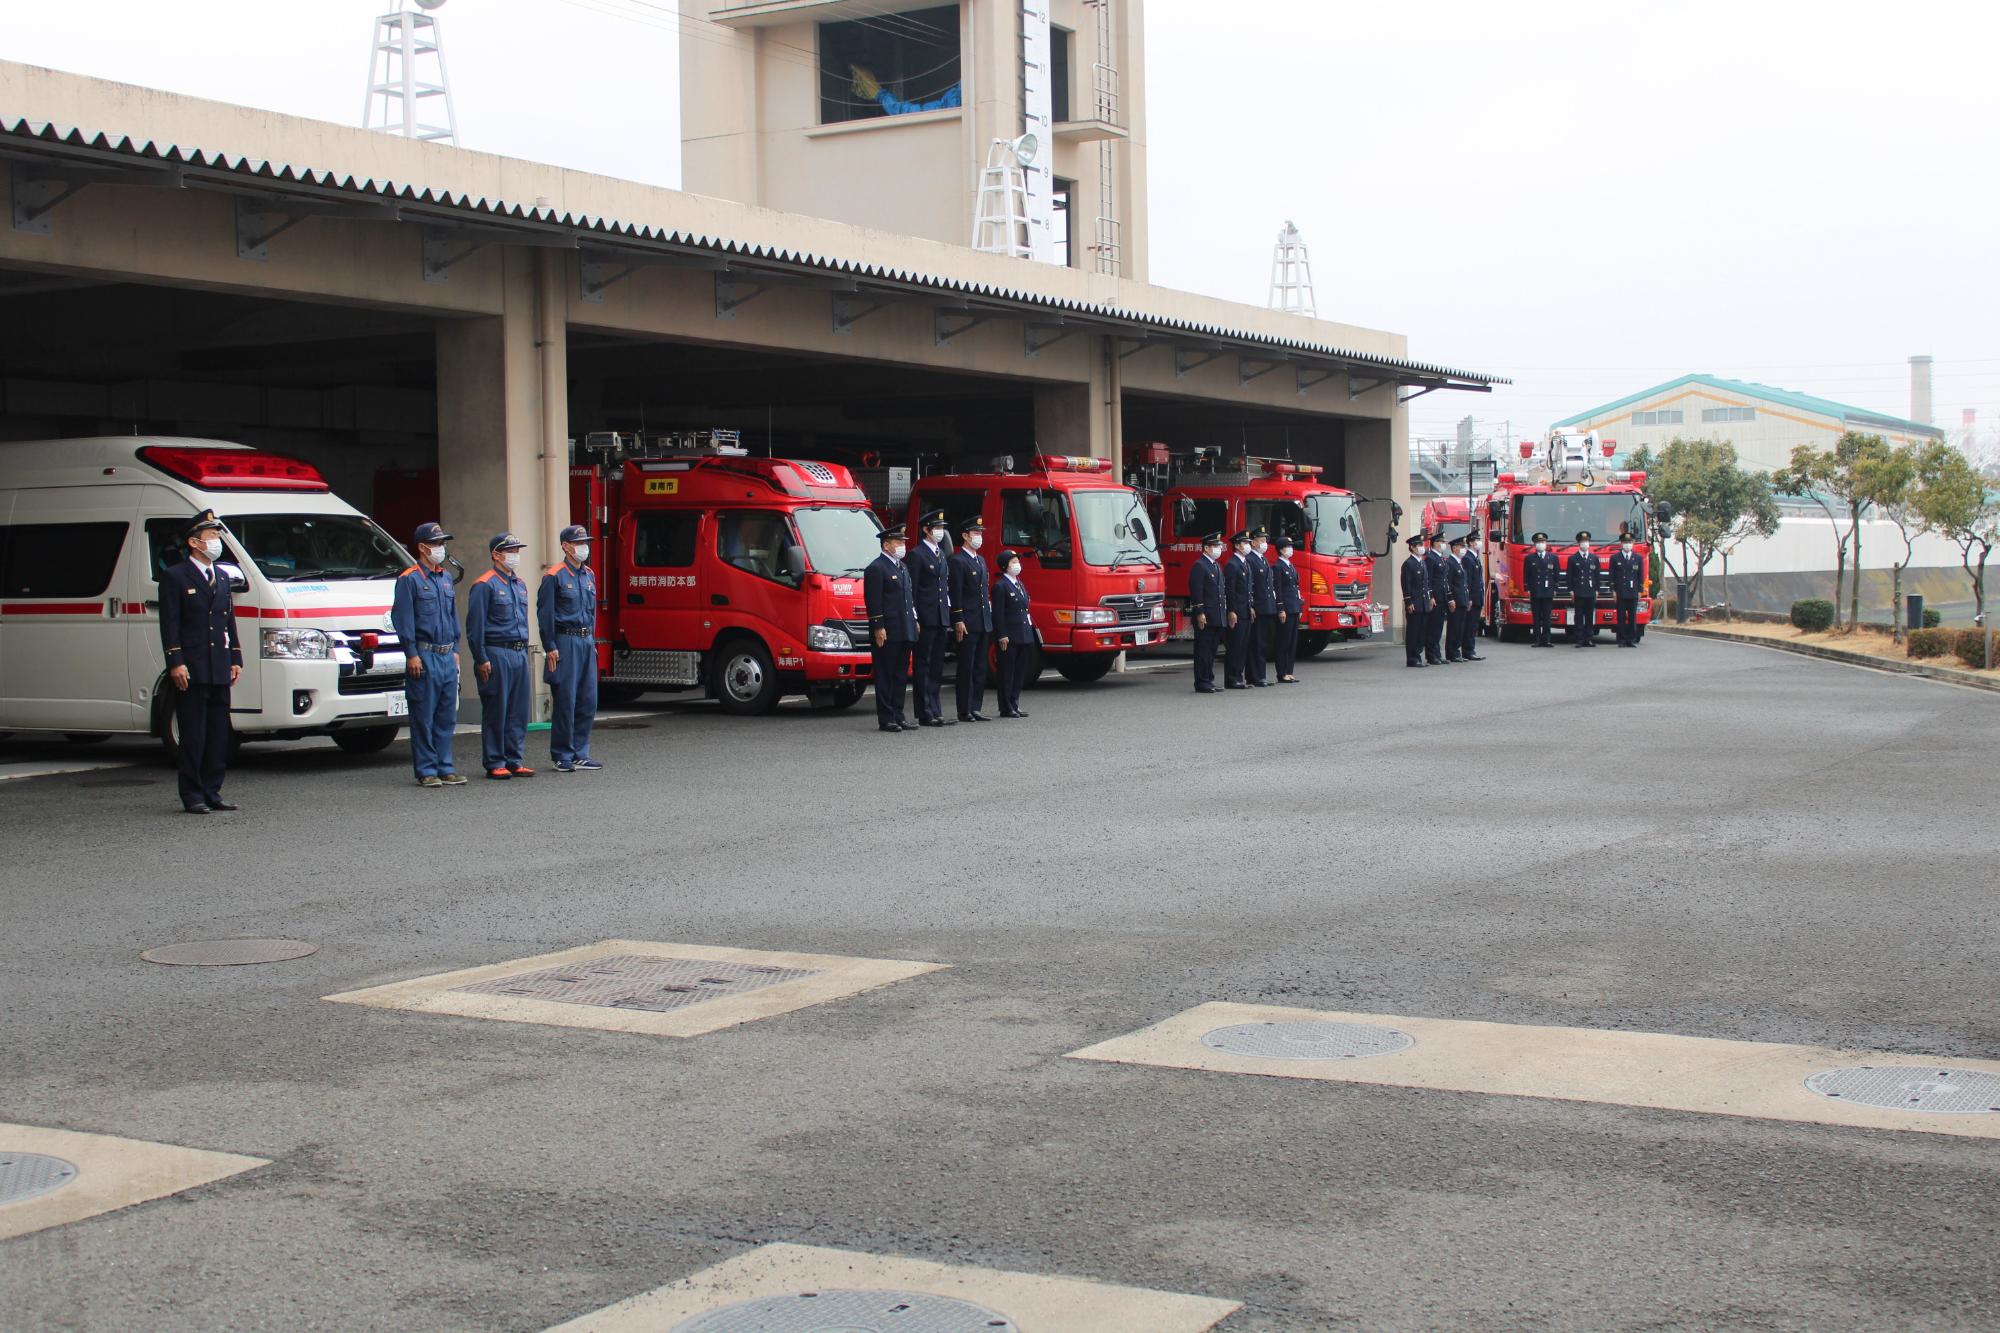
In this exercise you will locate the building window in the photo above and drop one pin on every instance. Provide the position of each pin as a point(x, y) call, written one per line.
point(1065, 222)
point(1061, 42)
point(1666, 416)
point(1717, 414)
point(888, 65)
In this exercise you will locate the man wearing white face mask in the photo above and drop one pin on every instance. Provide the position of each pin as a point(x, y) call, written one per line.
point(426, 620)
point(566, 611)
point(204, 658)
point(971, 618)
point(496, 631)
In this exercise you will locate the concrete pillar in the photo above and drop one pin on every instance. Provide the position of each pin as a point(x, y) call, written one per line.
point(1378, 466)
point(1085, 419)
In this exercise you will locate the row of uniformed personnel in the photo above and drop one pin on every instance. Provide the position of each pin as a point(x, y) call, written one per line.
point(923, 601)
point(1250, 605)
point(1448, 592)
point(1444, 593)
point(496, 634)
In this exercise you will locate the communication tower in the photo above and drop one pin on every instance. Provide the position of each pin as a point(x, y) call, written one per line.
point(1291, 274)
point(405, 68)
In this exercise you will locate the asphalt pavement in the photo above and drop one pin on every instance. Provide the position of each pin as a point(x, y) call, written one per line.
point(1693, 838)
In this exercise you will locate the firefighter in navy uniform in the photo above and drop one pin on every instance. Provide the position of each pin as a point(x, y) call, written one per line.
point(1238, 592)
point(1443, 606)
point(1540, 572)
point(1264, 602)
point(1582, 575)
point(1455, 646)
point(496, 634)
point(204, 659)
point(971, 618)
point(1416, 603)
point(929, 582)
point(566, 613)
point(1628, 582)
point(1206, 610)
point(1013, 631)
point(892, 627)
point(1291, 605)
point(1475, 602)
point(426, 619)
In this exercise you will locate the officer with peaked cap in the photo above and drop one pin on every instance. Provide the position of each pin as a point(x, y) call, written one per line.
point(1416, 603)
point(930, 595)
point(496, 633)
point(1627, 579)
point(1206, 610)
point(1540, 573)
point(1583, 576)
point(566, 612)
point(204, 659)
point(971, 617)
point(426, 621)
point(1239, 588)
point(1455, 647)
point(1264, 605)
point(1443, 605)
point(1013, 631)
point(892, 628)
point(1475, 599)
point(1291, 606)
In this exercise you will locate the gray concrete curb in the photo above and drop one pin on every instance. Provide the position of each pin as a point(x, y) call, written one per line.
point(1945, 674)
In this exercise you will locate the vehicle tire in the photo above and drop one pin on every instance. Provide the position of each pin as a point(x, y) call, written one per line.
point(1313, 642)
point(1083, 668)
point(86, 737)
point(166, 725)
point(617, 696)
point(366, 740)
point(1037, 659)
point(1514, 633)
point(742, 678)
point(841, 696)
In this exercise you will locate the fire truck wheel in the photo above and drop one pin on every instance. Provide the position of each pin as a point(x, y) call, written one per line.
point(365, 740)
point(744, 679)
point(1084, 667)
point(1313, 642)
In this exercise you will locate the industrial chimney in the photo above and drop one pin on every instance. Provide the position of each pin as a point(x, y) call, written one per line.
point(1920, 390)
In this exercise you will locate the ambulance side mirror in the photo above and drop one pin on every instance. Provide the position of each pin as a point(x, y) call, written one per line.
point(237, 583)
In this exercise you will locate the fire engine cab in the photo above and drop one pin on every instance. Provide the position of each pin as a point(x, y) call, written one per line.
point(1202, 492)
point(1087, 552)
point(1570, 489)
point(721, 572)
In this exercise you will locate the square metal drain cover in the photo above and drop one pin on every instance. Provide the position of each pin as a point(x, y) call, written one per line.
point(1911, 1088)
point(851, 1312)
point(1307, 1039)
point(29, 1175)
point(633, 981)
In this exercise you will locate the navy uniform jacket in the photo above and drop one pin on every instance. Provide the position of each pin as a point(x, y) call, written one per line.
point(1539, 572)
point(198, 623)
point(930, 584)
point(1236, 586)
point(971, 594)
point(496, 611)
point(424, 611)
point(566, 603)
point(1475, 581)
point(1205, 591)
point(1261, 594)
point(1285, 578)
point(1454, 580)
point(1417, 584)
point(885, 586)
point(1010, 612)
point(1628, 577)
point(1440, 577)
point(1582, 574)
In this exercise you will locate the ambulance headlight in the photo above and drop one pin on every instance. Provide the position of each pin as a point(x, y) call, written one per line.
point(828, 639)
point(297, 644)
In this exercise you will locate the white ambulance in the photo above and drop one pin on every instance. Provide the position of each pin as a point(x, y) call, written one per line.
point(85, 526)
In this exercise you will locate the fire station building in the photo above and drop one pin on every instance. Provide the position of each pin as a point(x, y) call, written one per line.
point(393, 310)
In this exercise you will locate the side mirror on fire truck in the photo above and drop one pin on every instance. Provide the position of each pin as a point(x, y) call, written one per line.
point(795, 564)
point(1183, 514)
point(1395, 512)
point(1663, 513)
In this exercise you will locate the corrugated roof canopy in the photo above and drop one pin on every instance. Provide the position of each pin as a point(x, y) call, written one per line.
point(142, 162)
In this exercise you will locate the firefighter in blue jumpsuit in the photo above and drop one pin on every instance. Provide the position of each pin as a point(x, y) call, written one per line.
point(496, 633)
point(566, 612)
point(426, 620)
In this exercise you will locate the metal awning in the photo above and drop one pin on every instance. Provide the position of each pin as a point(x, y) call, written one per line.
point(50, 162)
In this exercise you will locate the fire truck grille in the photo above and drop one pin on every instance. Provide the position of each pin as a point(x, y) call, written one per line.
point(1136, 608)
point(1350, 592)
point(631, 981)
point(857, 630)
point(649, 667)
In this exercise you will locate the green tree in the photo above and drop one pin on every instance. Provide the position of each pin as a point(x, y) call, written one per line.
point(1954, 500)
point(1842, 481)
point(1717, 504)
point(1893, 488)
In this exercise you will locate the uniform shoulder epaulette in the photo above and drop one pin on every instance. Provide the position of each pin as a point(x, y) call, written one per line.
point(411, 570)
point(555, 569)
point(483, 577)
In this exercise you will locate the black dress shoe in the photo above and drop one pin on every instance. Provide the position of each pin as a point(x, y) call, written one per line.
point(196, 810)
point(891, 727)
point(1204, 689)
point(222, 805)
point(931, 722)
point(1475, 657)
point(1259, 684)
point(975, 717)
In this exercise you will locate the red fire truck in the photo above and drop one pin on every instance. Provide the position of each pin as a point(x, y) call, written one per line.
point(1449, 516)
point(1087, 553)
point(720, 572)
point(1570, 489)
point(1203, 492)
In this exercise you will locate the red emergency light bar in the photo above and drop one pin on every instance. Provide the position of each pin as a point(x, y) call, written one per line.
point(1277, 468)
point(1527, 448)
point(1610, 448)
point(1071, 463)
point(233, 469)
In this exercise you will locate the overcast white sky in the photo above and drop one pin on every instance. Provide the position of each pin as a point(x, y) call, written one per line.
point(1588, 197)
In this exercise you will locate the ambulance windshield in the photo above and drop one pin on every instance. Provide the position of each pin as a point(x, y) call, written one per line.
point(839, 541)
point(317, 548)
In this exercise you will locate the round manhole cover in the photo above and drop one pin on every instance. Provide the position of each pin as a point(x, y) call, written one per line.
point(229, 953)
point(850, 1312)
point(1308, 1039)
point(1911, 1088)
point(28, 1175)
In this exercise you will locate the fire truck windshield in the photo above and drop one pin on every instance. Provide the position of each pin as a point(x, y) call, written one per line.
point(1566, 513)
point(1114, 528)
point(1336, 525)
point(839, 540)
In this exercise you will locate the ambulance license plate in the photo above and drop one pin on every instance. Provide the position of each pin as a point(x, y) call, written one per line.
point(399, 705)
point(1374, 622)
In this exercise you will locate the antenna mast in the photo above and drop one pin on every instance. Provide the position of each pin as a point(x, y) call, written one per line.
point(406, 66)
point(1291, 274)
